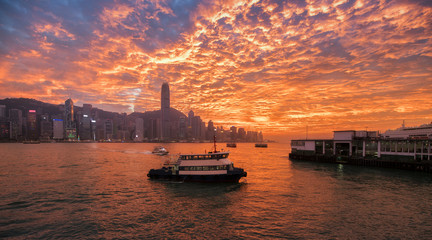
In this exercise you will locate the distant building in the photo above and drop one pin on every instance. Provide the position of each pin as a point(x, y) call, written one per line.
point(165, 111)
point(32, 129)
point(58, 129)
point(108, 129)
point(210, 130)
point(46, 127)
point(260, 137)
point(182, 127)
point(241, 134)
point(154, 131)
point(69, 120)
point(139, 130)
point(85, 128)
point(196, 127)
point(233, 133)
point(5, 131)
point(190, 117)
point(2, 112)
point(16, 119)
point(203, 131)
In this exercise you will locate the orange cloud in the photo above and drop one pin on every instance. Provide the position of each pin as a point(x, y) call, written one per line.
point(264, 65)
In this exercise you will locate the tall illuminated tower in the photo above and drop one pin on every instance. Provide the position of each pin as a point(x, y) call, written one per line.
point(69, 121)
point(69, 113)
point(165, 111)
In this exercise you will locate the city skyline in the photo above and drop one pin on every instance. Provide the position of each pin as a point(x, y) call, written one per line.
point(284, 68)
point(24, 119)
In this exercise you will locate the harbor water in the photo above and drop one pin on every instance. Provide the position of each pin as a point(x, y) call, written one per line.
point(101, 191)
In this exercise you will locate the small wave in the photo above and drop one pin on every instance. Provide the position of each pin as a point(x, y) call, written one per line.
point(68, 166)
point(16, 205)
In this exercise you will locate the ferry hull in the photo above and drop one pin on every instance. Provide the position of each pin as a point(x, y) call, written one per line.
point(231, 177)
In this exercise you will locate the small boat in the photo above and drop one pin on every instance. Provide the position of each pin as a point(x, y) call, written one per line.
point(261, 145)
point(231, 145)
point(159, 150)
point(209, 167)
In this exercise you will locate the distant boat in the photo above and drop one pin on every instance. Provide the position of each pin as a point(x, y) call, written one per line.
point(261, 145)
point(231, 145)
point(159, 150)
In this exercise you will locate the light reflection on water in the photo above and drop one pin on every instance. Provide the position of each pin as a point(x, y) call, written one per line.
point(100, 190)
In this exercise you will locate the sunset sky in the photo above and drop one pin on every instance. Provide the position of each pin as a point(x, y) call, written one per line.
point(271, 66)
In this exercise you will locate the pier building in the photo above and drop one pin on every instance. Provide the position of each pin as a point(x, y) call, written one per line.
point(391, 149)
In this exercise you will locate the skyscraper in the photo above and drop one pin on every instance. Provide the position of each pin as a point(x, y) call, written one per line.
point(58, 130)
point(165, 111)
point(85, 132)
point(32, 129)
point(69, 121)
point(69, 113)
point(16, 119)
point(139, 130)
point(2, 112)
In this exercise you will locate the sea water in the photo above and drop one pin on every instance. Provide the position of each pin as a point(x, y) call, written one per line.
point(101, 190)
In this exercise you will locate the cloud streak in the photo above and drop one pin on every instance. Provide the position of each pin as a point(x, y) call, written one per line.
point(268, 65)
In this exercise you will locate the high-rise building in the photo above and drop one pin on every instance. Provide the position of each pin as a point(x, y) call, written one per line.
point(46, 127)
point(5, 131)
point(2, 112)
point(85, 129)
point(139, 130)
point(196, 127)
point(260, 137)
point(190, 117)
point(32, 129)
point(58, 129)
point(165, 111)
point(108, 129)
point(182, 127)
point(69, 120)
point(69, 114)
point(241, 134)
point(16, 119)
point(233, 133)
point(203, 130)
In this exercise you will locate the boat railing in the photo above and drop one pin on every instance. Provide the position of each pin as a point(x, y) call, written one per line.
point(204, 156)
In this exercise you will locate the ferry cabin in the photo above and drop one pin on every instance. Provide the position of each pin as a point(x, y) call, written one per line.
point(205, 164)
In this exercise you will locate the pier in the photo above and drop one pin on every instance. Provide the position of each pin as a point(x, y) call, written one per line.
point(365, 148)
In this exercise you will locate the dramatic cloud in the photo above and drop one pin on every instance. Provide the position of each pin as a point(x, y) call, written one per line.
point(268, 65)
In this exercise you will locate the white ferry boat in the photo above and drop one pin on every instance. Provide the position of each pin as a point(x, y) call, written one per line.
point(210, 167)
point(159, 150)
